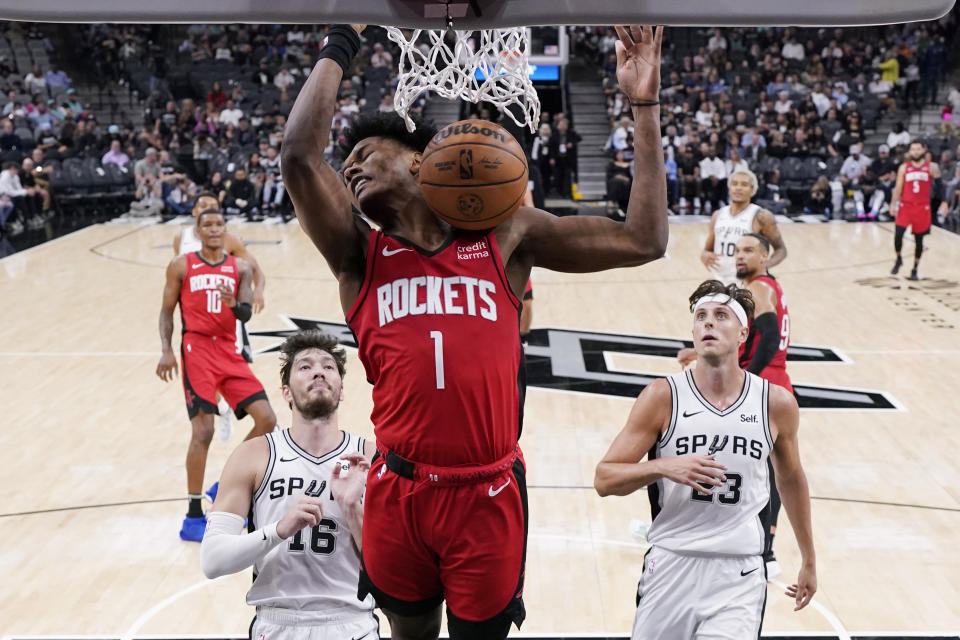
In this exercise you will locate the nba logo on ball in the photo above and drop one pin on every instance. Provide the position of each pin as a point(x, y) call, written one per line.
point(473, 174)
point(466, 164)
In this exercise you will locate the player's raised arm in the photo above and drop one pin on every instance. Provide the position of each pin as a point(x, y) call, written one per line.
point(167, 367)
point(584, 243)
point(319, 196)
point(621, 473)
point(792, 484)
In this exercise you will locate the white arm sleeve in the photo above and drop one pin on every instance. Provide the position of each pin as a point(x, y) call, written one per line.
point(225, 550)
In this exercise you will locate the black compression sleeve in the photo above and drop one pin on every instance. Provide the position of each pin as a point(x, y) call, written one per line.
point(243, 311)
point(768, 343)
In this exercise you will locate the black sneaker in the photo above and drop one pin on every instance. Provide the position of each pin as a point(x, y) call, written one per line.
point(896, 266)
point(913, 274)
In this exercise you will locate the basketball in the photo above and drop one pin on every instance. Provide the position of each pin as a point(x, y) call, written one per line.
point(473, 174)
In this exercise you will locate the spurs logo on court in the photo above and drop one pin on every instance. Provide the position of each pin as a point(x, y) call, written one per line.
point(585, 362)
point(926, 299)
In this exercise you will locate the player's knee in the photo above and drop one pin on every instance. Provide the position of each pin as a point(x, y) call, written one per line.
point(202, 433)
point(264, 421)
point(422, 627)
point(494, 628)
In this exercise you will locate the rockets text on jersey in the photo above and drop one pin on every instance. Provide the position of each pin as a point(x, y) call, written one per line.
point(437, 333)
point(916, 186)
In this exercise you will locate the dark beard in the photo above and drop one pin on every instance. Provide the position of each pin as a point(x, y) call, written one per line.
point(320, 408)
point(742, 274)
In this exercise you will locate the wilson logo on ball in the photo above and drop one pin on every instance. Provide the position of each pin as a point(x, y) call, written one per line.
point(461, 128)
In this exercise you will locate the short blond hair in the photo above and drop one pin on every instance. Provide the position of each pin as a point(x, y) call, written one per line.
point(751, 175)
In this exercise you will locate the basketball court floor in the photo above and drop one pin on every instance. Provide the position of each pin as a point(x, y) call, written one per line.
point(92, 442)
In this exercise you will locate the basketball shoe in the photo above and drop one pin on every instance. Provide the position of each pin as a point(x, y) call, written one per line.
point(193, 528)
point(212, 491)
point(896, 266)
point(225, 424)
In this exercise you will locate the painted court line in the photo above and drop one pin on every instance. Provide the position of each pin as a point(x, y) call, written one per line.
point(826, 613)
point(163, 604)
point(76, 354)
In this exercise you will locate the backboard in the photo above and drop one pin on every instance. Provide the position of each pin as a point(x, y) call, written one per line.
point(483, 14)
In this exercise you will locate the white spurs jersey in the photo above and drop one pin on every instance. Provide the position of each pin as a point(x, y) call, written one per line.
point(727, 522)
point(727, 229)
point(189, 242)
point(318, 568)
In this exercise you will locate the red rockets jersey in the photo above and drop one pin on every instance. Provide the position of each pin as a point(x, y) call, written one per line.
point(775, 372)
point(916, 186)
point(200, 306)
point(438, 335)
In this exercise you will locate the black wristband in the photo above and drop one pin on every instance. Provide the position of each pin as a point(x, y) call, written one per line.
point(341, 45)
point(644, 103)
point(243, 311)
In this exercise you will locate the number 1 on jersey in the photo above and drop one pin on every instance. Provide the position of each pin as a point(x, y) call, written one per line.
point(437, 337)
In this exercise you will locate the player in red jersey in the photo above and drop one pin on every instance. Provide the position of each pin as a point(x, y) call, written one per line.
point(213, 290)
point(765, 353)
point(435, 311)
point(911, 202)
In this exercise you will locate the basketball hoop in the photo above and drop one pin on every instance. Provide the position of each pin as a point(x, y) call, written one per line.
point(495, 69)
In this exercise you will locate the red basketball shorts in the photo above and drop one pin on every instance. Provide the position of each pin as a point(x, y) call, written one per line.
point(424, 542)
point(916, 217)
point(211, 365)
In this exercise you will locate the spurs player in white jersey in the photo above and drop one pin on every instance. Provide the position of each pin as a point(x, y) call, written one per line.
point(186, 241)
point(304, 507)
point(738, 218)
point(707, 434)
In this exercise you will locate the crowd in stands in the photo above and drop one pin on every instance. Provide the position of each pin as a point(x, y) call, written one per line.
point(793, 104)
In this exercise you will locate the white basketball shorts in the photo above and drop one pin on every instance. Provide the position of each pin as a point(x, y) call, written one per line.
point(273, 623)
point(684, 597)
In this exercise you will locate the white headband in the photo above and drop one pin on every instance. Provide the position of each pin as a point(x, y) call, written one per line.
point(723, 298)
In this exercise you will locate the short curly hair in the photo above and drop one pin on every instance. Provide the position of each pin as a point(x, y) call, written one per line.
point(309, 339)
point(710, 287)
point(391, 126)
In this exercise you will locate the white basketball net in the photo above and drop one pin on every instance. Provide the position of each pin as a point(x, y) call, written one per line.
point(427, 63)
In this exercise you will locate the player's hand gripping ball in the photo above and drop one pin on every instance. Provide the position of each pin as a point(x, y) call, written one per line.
point(473, 174)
